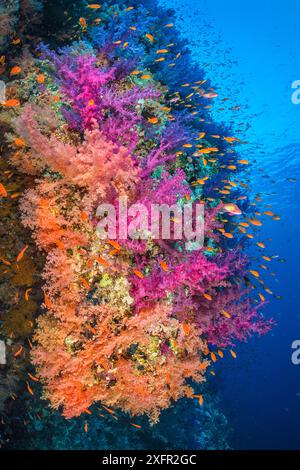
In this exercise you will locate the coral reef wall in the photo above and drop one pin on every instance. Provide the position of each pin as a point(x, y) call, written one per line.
point(121, 325)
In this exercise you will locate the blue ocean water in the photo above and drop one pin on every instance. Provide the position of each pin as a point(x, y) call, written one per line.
point(251, 53)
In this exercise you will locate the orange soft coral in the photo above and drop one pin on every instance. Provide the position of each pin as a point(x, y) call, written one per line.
point(113, 363)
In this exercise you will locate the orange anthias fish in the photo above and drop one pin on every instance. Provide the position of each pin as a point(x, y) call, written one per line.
point(201, 181)
point(47, 301)
point(230, 139)
point(108, 410)
point(210, 95)
point(150, 37)
point(27, 294)
point(102, 261)
point(29, 389)
point(138, 273)
point(261, 245)
point(207, 297)
point(19, 142)
point(203, 365)
point(84, 216)
point(186, 329)
point(213, 357)
point(164, 266)
point(91, 329)
point(153, 120)
point(255, 222)
point(85, 283)
point(209, 150)
point(94, 6)
point(35, 379)
point(232, 209)
point(226, 314)
point(40, 78)
point(82, 22)
point(11, 103)
point(233, 354)
point(228, 235)
point(201, 135)
point(114, 244)
point(3, 192)
point(22, 252)
point(136, 425)
point(18, 352)
point(60, 244)
point(15, 70)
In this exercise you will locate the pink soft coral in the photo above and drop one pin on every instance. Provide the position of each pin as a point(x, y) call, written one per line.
point(89, 165)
